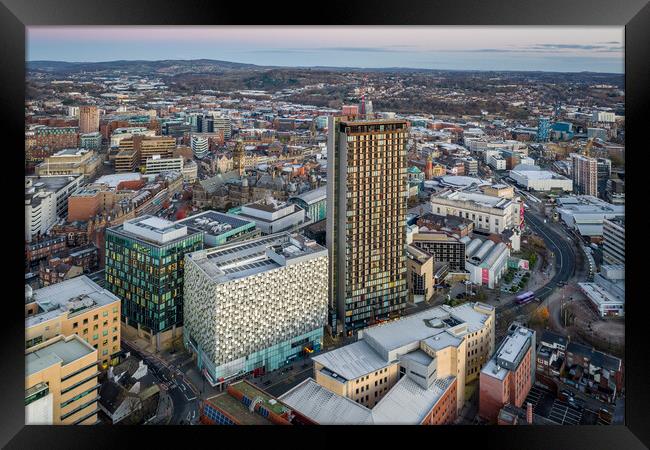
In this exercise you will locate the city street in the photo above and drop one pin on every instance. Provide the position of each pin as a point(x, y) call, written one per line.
point(173, 382)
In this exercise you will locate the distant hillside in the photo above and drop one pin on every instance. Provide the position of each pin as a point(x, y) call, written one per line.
point(166, 67)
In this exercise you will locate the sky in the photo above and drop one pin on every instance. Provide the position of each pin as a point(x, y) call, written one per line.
point(560, 49)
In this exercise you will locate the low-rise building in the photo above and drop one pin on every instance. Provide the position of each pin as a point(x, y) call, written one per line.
point(70, 161)
point(272, 216)
point(486, 261)
point(533, 178)
point(586, 214)
point(314, 203)
point(443, 246)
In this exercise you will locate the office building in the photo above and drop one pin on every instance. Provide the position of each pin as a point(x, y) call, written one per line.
point(70, 161)
point(443, 246)
point(604, 172)
point(586, 213)
point(144, 268)
point(76, 306)
point(220, 229)
point(200, 146)
point(489, 213)
point(254, 306)
point(496, 161)
point(148, 146)
point(607, 292)
point(314, 203)
point(88, 119)
point(440, 344)
point(367, 194)
point(509, 375)
point(156, 164)
point(272, 216)
point(91, 141)
point(407, 403)
point(614, 240)
point(46, 202)
point(61, 382)
point(603, 116)
point(597, 133)
point(535, 179)
point(119, 134)
point(585, 174)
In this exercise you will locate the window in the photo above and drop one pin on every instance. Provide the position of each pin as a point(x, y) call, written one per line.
point(357, 390)
point(95, 317)
point(85, 321)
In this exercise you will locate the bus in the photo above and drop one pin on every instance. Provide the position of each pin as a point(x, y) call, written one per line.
point(525, 297)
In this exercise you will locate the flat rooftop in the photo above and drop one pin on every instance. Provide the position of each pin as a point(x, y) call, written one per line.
point(61, 351)
point(69, 296)
point(237, 410)
point(70, 152)
point(244, 259)
point(52, 183)
point(115, 179)
point(513, 345)
point(215, 223)
point(352, 361)
point(487, 201)
point(154, 230)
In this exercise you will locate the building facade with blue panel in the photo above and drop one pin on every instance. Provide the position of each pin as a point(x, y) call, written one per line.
point(314, 203)
point(543, 129)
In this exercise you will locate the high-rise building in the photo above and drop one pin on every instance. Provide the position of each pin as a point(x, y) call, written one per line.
point(254, 306)
point(585, 174)
point(367, 194)
point(604, 169)
point(147, 146)
point(614, 240)
point(543, 129)
point(144, 268)
point(88, 119)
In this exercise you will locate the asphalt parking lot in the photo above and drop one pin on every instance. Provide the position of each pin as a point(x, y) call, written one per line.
point(546, 404)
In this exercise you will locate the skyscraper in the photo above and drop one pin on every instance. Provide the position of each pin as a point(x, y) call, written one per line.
point(585, 174)
point(366, 224)
point(88, 119)
point(543, 128)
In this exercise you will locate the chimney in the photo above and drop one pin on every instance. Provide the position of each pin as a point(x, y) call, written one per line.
point(529, 413)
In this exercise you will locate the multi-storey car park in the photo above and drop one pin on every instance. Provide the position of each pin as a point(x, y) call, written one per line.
point(254, 306)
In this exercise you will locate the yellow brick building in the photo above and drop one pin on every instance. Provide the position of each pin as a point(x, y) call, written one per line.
point(75, 307)
point(61, 383)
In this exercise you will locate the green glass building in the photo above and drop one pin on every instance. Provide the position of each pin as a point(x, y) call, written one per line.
point(144, 268)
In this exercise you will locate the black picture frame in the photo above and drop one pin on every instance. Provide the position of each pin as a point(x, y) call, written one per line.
point(15, 15)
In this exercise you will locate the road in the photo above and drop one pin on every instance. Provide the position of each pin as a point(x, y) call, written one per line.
point(565, 258)
point(184, 399)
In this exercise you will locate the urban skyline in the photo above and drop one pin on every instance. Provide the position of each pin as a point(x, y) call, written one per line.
point(558, 49)
point(210, 242)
